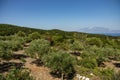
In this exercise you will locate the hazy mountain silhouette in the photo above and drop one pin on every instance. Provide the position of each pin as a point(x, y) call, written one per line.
point(98, 30)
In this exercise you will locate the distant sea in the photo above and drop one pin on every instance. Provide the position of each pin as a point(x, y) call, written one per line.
point(108, 34)
point(111, 34)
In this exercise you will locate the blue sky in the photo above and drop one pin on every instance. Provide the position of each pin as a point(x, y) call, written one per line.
point(61, 14)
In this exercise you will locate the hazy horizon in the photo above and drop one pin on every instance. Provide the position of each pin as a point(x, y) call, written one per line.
point(68, 15)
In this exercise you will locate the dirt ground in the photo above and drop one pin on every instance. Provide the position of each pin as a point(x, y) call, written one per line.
point(38, 72)
point(42, 72)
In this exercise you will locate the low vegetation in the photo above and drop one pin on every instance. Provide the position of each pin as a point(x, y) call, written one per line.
point(17, 74)
point(54, 47)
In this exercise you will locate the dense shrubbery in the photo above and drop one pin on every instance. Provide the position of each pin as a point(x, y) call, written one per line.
point(17, 74)
point(77, 45)
point(88, 63)
point(38, 48)
point(46, 46)
point(107, 74)
point(5, 51)
point(94, 41)
point(60, 63)
point(16, 45)
point(10, 45)
point(34, 35)
point(21, 34)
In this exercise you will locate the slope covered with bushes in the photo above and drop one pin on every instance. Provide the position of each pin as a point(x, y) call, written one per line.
point(64, 53)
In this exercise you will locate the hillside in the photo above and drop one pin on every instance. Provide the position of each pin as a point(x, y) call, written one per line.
point(36, 54)
point(8, 29)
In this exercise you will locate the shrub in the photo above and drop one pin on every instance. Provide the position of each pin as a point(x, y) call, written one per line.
point(20, 39)
point(94, 41)
point(58, 38)
point(16, 45)
point(5, 51)
point(109, 53)
point(77, 45)
point(17, 74)
point(60, 63)
point(38, 48)
point(100, 60)
point(88, 63)
point(106, 74)
point(34, 35)
point(112, 42)
point(83, 71)
point(116, 76)
point(21, 34)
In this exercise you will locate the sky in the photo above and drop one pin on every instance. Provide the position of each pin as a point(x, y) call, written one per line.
point(69, 15)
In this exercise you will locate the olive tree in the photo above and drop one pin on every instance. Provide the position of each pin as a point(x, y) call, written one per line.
point(60, 63)
point(34, 35)
point(17, 74)
point(38, 48)
point(21, 34)
point(94, 41)
point(77, 45)
point(5, 51)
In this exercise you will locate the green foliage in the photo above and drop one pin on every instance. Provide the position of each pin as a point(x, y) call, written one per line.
point(112, 42)
point(109, 52)
point(17, 74)
point(88, 63)
point(100, 60)
point(106, 74)
point(5, 51)
point(77, 45)
point(38, 48)
point(58, 38)
point(94, 41)
point(83, 71)
point(21, 34)
point(16, 45)
point(60, 62)
point(116, 76)
point(95, 49)
point(34, 35)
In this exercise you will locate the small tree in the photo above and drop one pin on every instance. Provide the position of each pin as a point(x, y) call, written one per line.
point(94, 41)
point(60, 63)
point(88, 63)
point(77, 45)
point(38, 48)
point(21, 34)
point(5, 51)
point(17, 74)
point(34, 35)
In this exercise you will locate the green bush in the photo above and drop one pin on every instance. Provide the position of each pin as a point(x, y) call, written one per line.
point(83, 71)
point(106, 74)
point(108, 53)
point(16, 45)
point(60, 62)
point(94, 41)
point(38, 48)
point(5, 51)
point(88, 63)
point(20, 39)
point(116, 76)
point(34, 35)
point(17, 74)
point(100, 60)
point(77, 45)
point(21, 34)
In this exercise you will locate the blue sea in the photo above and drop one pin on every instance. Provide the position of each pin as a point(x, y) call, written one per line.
point(112, 34)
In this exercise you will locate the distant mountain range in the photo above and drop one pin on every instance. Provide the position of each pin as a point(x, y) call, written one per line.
point(100, 30)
